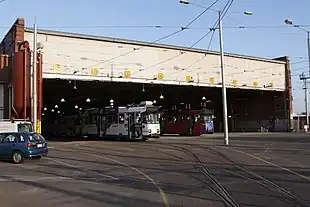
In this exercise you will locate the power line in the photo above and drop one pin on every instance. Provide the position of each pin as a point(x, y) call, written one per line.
point(225, 9)
point(260, 27)
point(169, 35)
point(254, 78)
point(157, 27)
point(227, 65)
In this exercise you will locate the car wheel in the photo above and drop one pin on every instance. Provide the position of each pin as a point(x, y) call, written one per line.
point(17, 157)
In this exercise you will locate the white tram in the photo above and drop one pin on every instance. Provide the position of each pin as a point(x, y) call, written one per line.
point(127, 122)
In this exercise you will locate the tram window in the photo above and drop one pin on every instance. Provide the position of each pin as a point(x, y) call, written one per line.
point(171, 119)
point(112, 119)
point(86, 119)
point(93, 120)
point(121, 119)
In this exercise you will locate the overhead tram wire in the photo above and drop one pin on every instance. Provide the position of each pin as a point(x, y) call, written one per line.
point(225, 9)
point(162, 38)
point(213, 29)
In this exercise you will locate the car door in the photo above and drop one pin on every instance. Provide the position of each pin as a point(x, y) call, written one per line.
point(8, 145)
point(2, 136)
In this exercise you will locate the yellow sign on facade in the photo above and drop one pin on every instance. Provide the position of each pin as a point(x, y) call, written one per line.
point(271, 84)
point(160, 76)
point(234, 82)
point(127, 74)
point(56, 68)
point(211, 80)
point(255, 84)
point(94, 71)
point(188, 78)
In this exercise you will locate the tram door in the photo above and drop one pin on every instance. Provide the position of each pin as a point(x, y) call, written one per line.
point(134, 124)
point(101, 126)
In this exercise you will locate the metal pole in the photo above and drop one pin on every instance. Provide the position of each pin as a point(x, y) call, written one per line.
point(224, 98)
point(306, 103)
point(298, 123)
point(308, 41)
point(306, 90)
point(35, 98)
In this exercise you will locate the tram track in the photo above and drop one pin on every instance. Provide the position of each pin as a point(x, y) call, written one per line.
point(259, 179)
point(249, 175)
point(216, 188)
point(219, 190)
point(212, 183)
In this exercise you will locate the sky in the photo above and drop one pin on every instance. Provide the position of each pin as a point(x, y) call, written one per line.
point(266, 35)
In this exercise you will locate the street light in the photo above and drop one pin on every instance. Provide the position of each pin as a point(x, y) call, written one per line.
point(87, 100)
point(62, 100)
point(184, 1)
point(290, 22)
point(303, 77)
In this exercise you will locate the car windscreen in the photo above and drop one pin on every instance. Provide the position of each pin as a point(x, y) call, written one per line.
point(25, 127)
point(36, 138)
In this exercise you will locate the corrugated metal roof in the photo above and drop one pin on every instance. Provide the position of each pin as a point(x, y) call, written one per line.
point(146, 44)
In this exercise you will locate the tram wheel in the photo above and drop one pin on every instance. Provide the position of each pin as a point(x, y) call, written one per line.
point(145, 138)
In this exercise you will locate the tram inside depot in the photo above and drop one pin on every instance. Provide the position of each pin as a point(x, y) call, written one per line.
point(68, 103)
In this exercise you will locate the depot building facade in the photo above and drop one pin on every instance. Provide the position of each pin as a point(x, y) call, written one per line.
point(264, 85)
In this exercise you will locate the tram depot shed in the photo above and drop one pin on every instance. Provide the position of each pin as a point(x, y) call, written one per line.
point(77, 67)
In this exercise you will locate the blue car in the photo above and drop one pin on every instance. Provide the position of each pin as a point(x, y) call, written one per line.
point(17, 146)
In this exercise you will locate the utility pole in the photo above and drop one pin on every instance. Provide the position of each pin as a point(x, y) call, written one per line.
point(224, 98)
point(308, 42)
point(34, 84)
point(304, 78)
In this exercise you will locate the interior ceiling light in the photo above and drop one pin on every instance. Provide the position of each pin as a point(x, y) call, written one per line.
point(56, 106)
point(62, 100)
point(58, 112)
point(88, 100)
point(52, 110)
point(161, 96)
point(45, 109)
point(76, 106)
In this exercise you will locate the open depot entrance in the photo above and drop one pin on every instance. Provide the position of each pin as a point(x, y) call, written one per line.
point(63, 99)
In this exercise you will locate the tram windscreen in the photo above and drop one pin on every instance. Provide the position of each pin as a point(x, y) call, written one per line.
point(150, 118)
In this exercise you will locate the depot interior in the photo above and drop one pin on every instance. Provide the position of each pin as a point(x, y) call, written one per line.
point(63, 99)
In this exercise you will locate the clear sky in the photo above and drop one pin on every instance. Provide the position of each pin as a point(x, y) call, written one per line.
point(87, 17)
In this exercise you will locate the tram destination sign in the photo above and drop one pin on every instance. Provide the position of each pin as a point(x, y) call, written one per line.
point(207, 111)
point(110, 110)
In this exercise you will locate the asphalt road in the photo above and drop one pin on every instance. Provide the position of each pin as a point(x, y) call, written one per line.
point(255, 170)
